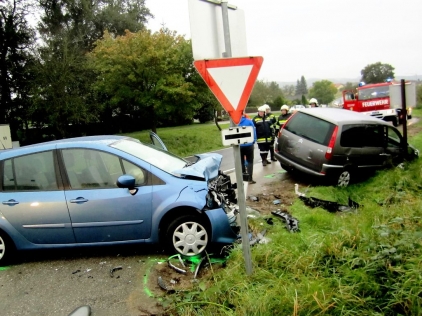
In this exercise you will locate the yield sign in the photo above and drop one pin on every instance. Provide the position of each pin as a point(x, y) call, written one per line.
point(231, 80)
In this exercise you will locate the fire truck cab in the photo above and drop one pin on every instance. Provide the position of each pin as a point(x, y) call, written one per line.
point(373, 100)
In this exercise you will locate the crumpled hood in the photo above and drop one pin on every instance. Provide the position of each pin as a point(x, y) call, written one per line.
point(206, 167)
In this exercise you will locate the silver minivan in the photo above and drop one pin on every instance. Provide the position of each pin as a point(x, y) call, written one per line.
point(337, 145)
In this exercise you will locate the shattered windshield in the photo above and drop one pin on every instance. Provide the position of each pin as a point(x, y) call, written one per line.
point(151, 154)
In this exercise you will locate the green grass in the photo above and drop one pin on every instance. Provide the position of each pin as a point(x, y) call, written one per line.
point(188, 140)
point(364, 263)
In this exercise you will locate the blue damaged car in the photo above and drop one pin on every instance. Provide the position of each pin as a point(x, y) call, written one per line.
point(112, 190)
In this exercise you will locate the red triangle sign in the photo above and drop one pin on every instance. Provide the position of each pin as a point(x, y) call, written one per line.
point(231, 80)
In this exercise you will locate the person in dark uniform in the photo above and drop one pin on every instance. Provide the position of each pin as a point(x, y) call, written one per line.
point(284, 116)
point(247, 150)
point(263, 134)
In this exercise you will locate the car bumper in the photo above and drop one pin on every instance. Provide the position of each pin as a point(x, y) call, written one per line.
point(326, 168)
point(222, 232)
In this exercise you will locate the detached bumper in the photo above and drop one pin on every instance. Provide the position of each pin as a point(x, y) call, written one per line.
point(221, 231)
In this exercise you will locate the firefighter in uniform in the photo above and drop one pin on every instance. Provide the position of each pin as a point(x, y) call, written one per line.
point(273, 124)
point(313, 103)
point(263, 134)
point(284, 116)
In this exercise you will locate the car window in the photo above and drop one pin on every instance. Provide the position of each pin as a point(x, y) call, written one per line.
point(87, 168)
point(161, 159)
point(358, 136)
point(34, 172)
point(394, 138)
point(310, 127)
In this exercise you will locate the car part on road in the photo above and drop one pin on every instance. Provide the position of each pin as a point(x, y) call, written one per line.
point(175, 268)
point(164, 286)
point(112, 270)
point(292, 224)
point(81, 311)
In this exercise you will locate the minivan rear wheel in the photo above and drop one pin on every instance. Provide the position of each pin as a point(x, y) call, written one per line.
point(343, 178)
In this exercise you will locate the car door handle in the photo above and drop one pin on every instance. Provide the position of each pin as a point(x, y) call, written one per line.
point(79, 200)
point(10, 202)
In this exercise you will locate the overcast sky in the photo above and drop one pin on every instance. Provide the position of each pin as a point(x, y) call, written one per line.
point(323, 39)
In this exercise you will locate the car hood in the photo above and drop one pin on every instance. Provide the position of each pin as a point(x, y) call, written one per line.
point(206, 167)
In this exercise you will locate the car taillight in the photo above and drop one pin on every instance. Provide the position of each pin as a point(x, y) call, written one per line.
point(330, 148)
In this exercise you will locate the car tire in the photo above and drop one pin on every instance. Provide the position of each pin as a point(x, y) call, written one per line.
point(187, 235)
point(7, 248)
point(395, 122)
point(284, 167)
point(343, 178)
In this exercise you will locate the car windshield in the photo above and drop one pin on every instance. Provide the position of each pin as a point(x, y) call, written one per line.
point(310, 127)
point(154, 156)
point(374, 93)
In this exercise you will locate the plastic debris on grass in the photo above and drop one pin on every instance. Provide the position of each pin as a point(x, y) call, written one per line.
point(330, 206)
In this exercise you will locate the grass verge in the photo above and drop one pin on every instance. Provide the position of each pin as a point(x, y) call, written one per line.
point(187, 140)
point(367, 262)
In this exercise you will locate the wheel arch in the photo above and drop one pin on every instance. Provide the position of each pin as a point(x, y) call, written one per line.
point(179, 211)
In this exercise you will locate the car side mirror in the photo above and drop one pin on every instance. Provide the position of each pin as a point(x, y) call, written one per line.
point(128, 182)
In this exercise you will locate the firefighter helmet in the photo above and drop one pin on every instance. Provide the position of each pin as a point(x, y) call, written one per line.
point(313, 100)
point(262, 108)
point(284, 107)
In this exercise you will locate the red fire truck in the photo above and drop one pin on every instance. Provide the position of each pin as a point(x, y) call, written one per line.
point(374, 100)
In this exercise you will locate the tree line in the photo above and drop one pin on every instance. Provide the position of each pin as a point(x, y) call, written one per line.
point(92, 67)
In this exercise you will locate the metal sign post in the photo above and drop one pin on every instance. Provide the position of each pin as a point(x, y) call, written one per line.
point(230, 79)
point(241, 198)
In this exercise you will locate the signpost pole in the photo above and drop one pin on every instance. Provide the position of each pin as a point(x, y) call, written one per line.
point(241, 198)
point(404, 113)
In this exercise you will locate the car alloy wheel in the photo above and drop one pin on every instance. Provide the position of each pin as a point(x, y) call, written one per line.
point(343, 179)
point(188, 236)
point(6, 249)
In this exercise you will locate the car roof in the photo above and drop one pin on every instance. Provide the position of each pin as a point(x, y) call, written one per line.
point(341, 116)
point(103, 140)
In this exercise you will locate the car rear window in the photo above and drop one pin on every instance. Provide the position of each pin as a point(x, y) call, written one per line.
point(311, 128)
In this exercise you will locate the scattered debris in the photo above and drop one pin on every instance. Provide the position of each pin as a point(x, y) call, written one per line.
point(254, 198)
point(259, 239)
point(292, 224)
point(177, 269)
point(77, 271)
point(330, 206)
point(81, 311)
point(198, 267)
point(112, 270)
point(163, 285)
point(297, 191)
point(269, 221)
point(276, 202)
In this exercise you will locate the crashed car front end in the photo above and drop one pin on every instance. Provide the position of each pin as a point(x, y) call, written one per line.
point(220, 205)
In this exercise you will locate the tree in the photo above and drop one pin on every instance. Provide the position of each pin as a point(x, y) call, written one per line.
point(301, 87)
point(148, 75)
point(378, 72)
point(288, 90)
point(265, 92)
point(63, 86)
point(324, 91)
point(16, 39)
point(350, 86)
point(419, 95)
